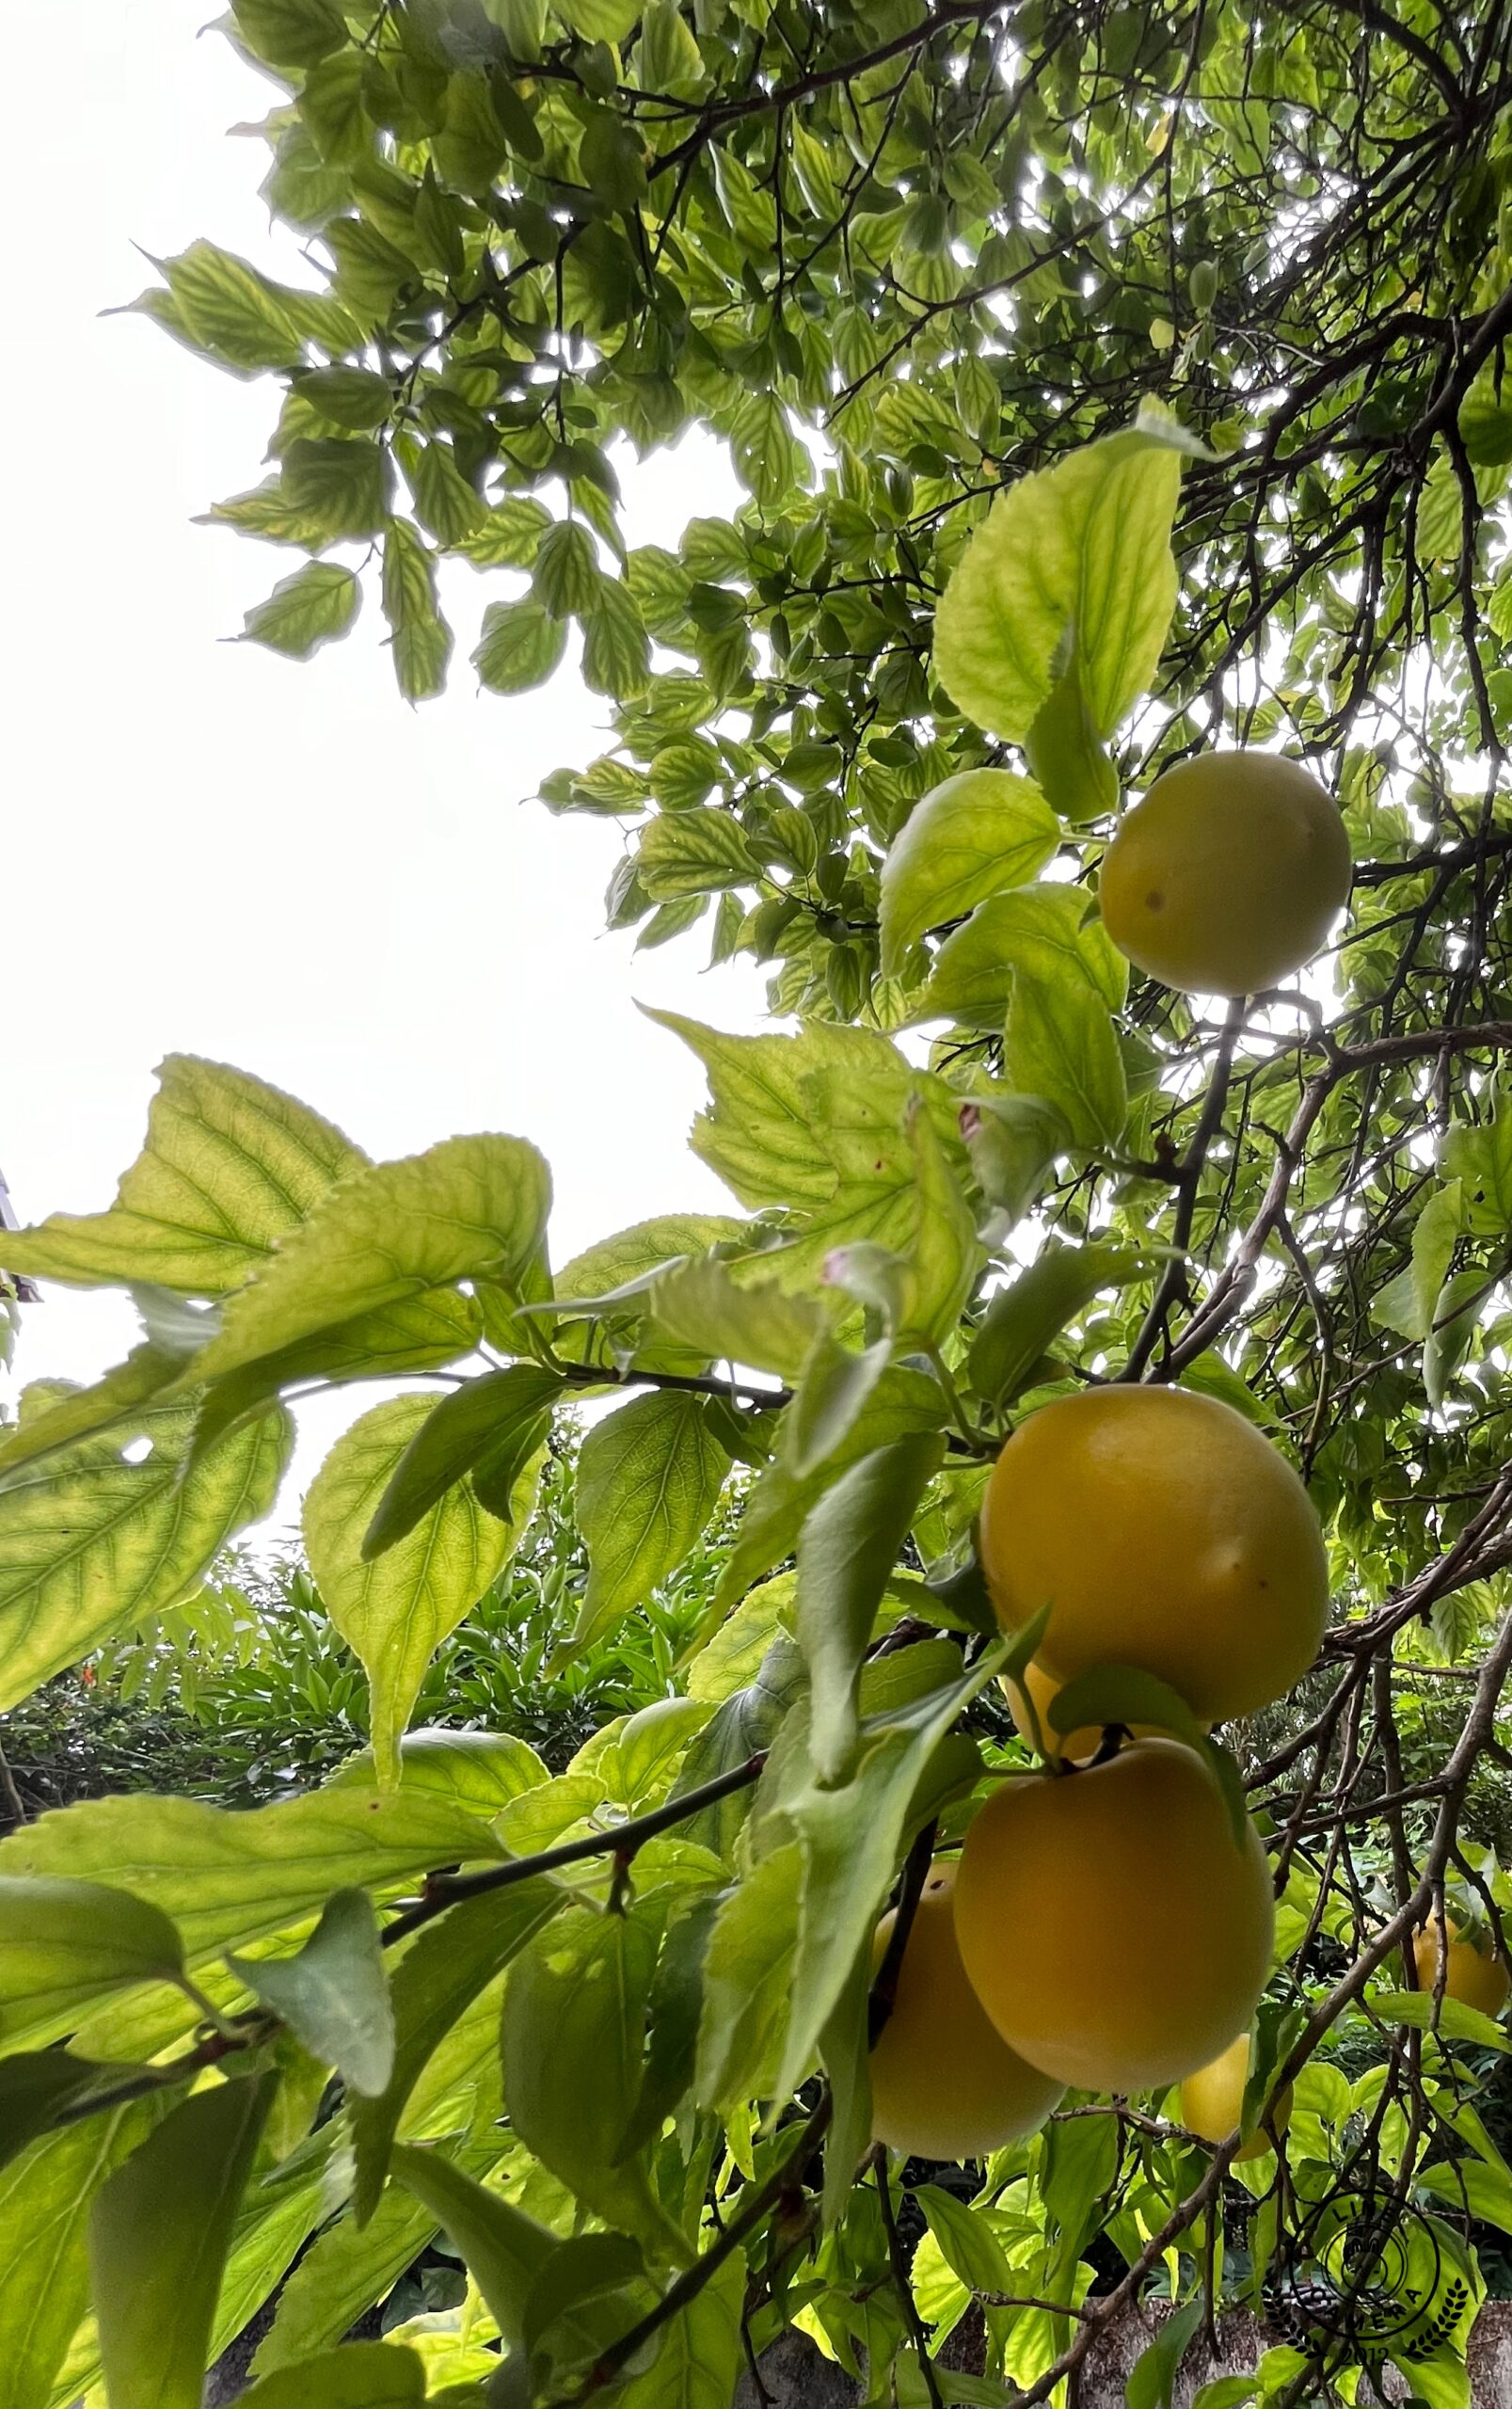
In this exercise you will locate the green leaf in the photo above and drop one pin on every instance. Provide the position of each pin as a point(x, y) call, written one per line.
point(1024, 1318)
point(694, 852)
point(422, 639)
point(93, 1544)
point(1059, 983)
point(488, 1427)
point(1153, 2377)
point(850, 1545)
point(617, 650)
point(340, 481)
point(330, 106)
point(1479, 1156)
point(37, 2086)
point(902, 1401)
point(1011, 1141)
point(968, 2245)
point(1453, 2018)
point(509, 536)
point(395, 1611)
point(344, 2271)
point(226, 1879)
point(747, 1974)
point(1473, 2187)
point(600, 19)
point(769, 459)
point(230, 1166)
point(573, 2030)
point(1079, 550)
point(852, 1837)
point(360, 2375)
point(305, 611)
point(980, 832)
point(159, 2232)
point(522, 646)
point(446, 505)
point(221, 306)
point(415, 1335)
point(438, 1978)
point(290, 33)
point(669, 56)
point(45, 2199)
point(1226, 2392)
point(334, 1994)
point(567, 575)
point(1068, 757)
point(703, 1306)
point(469, 1208)
point(649, 1476)
point(503, 2249)
point(1408, 1303)
point(62, 1942)
point(698, 2358)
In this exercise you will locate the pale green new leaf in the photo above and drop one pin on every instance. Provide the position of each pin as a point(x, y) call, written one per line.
point(503, 2249)
point(226, 1879)
point(348, 2268)
point(96, 1545)
point(45, 2198)
point(305, 611)
point(976, 834)
point(852, 1836)
point(228, 1167)
point(358, 2375)
point(693, 852)
point(574, 2031)
point(488, 1428)
point(62, 1942)
point(436, 1981)
point(159, 2233)
point(747, 1975)
point(846, 1557)
point(704, 1307)
point(1080, 551)
point(469, 1208)
point(395, 1610)
point(649, 1476)
point(699, 2354)
point(334, 1994)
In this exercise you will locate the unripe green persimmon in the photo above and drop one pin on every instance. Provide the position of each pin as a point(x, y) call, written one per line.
point(943, 2084)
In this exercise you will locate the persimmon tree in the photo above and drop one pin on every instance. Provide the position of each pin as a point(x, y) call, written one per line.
point(1106, 384)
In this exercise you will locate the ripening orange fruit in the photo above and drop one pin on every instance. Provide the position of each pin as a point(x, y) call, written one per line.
point(1213, 2097)
point(1163, 1531)
point(944, 2085)
point(1110, 1927)
point(1474, 1977)
point(1229, 875)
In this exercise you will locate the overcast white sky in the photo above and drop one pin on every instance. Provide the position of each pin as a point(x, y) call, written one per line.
point(210, 850)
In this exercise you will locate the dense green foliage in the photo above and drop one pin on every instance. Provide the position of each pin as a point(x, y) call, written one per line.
point(1104, 381)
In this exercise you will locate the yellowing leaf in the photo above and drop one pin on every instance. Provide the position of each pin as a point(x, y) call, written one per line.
point(396, 1610)
point(976, 834)
point(96, 1545)
point(647, 1480)
point(1082, 550)
point(230, 1165)
point(468, 1209)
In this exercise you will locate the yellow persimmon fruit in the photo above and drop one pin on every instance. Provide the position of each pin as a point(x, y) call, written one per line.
point(1229, 875)
point(1213, 2097)
point(1043, 1688)
point(943, 2084)
point(1163, 1531)
point(1117, 1935)
point(1475, 1977)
